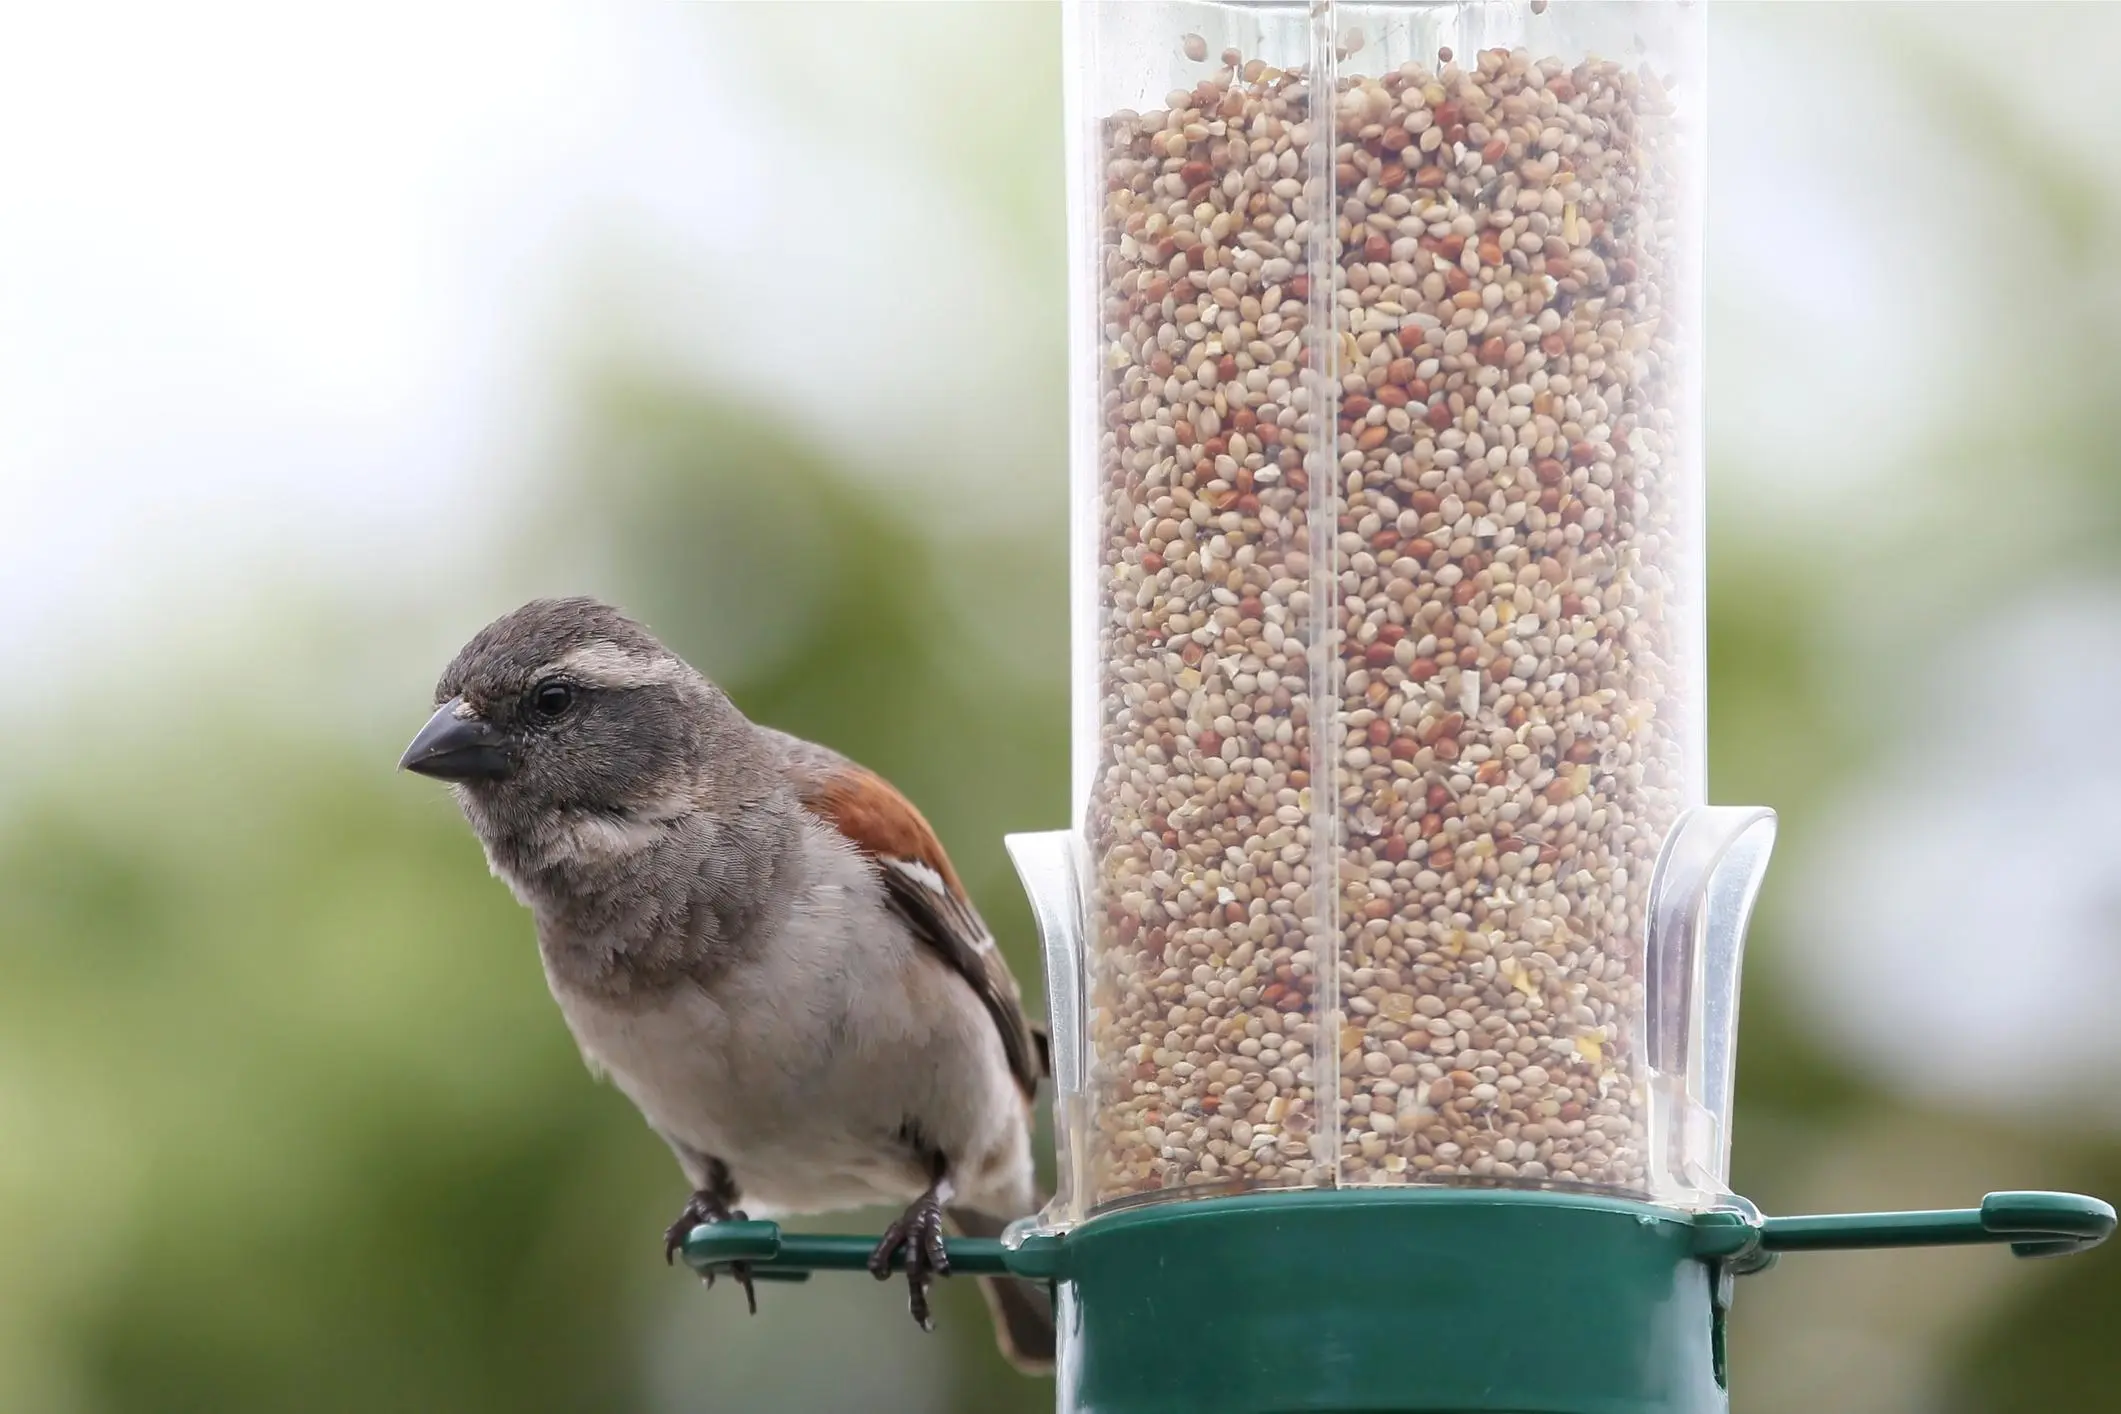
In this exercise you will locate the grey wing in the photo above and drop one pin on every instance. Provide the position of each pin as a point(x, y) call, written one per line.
point(920, 885)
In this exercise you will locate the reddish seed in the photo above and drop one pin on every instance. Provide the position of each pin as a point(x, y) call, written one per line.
point(1422, 669)
point(1378, 655)
point(1429, 177)
point(1549, 471)
point(1380, 732)
point(1392, 395)
point(1354, 405)
point(1377, 247)
point(1491, 350)
point(1439, 415)
point(1151, 561)
point(1211, 742)
point(1584, 452)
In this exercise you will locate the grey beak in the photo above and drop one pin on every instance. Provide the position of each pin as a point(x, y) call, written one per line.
point(456, 748)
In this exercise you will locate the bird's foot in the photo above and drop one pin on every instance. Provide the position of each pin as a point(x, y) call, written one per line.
point(919, 1234)
point(706, 1207)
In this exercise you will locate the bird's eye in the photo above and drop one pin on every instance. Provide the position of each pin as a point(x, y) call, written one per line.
point(551, 699)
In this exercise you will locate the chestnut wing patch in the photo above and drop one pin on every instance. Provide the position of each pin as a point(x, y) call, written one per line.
point(923, 890)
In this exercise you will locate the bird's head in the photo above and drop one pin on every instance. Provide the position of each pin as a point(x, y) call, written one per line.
point(565, 707)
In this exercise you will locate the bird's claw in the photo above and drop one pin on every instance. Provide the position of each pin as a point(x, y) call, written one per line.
point(918, 1232)
point(705, 1207)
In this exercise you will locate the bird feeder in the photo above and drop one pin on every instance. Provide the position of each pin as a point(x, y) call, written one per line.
point(1393, 957)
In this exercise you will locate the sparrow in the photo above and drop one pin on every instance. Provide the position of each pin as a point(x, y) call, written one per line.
point(757, 941)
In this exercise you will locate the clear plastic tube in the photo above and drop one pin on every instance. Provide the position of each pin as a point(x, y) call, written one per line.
point(1388, 555)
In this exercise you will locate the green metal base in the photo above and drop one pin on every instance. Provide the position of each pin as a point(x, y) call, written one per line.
point(1411, 1300)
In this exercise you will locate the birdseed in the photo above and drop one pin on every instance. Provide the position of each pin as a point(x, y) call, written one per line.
point(1482, 577)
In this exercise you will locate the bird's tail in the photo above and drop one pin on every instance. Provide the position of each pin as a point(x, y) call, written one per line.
point(1022, 1310)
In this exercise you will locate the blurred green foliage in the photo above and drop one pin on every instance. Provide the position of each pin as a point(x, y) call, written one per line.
point(287, 1120)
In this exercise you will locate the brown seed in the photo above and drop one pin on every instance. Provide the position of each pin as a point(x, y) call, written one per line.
point(1206, 521)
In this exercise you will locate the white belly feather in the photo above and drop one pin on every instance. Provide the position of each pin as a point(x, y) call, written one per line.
point(801, 1070)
